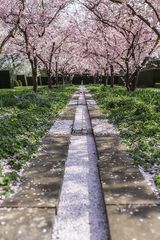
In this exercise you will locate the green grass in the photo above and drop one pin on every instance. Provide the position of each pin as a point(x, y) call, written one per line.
point(137, 116)
point(27, 117)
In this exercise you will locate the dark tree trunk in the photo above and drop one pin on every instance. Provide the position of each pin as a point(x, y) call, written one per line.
point(105, 79)
point(134, 80)
point(112, 76)
point(56, 73)
point(101, 79)
point(35, 79)
point(40, 80)
point(97, 77)
point(94, 79)
point(49, 82)
point(71, 76)
point(34, 72)
point(63, 79)
point(49, 79)
point(131, 81)
point(127, 81)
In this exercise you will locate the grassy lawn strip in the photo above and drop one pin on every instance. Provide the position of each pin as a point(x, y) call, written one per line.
point(25, 118)
point(137, 116)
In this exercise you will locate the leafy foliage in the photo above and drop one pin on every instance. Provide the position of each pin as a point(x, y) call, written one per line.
point(27, 116)
point(137, 116)
point(157, 179)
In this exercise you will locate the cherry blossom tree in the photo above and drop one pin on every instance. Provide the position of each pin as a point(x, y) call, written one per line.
point(96, 36)
point(38, 19)
point(50, 50)
point(147, 11)
point(10, 16)
point(132, 40)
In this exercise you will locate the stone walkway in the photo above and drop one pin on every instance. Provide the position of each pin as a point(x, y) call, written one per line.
point(81, 213)
point(60, 196)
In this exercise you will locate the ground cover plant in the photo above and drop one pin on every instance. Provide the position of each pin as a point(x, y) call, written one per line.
point(137, 116)
point(24, 119)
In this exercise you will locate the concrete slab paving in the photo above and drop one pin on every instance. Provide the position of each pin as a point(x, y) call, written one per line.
point(76, 95)
point(69, 113)
point(102, 127)
point(91, 102)
point(88, 95)
point(61, 127)
point(73, 102)
point(95, 112)
point(42, 180)
point(122, 182)
point(134, 222)
point(26, 223)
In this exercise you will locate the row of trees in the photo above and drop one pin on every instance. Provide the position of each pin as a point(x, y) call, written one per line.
point(125, 35)
point(68, 36)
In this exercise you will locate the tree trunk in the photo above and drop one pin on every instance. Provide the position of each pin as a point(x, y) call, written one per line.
point(34, 73)
point(105, 78)
point(134, 80)
point(127, 81)
point(94, 79)
point(112, 76)
point(71, 76)
point(63, 80)
point(49, 79)
point(35, 80)
point(35, 85)
point(56, 73)
point(49, 82)
point(97, 77)
point(40, 80)
point(131, 80)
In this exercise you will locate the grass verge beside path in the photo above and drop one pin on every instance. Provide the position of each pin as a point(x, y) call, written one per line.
point(24, 119)
point(137, 116)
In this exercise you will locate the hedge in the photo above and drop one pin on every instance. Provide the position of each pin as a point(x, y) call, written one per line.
point(146, 78)
point(44, 81)
point(5, 80)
